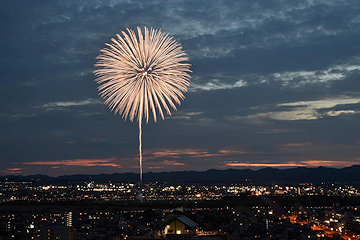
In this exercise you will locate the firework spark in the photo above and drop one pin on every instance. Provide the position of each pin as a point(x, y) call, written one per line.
point(142, 73)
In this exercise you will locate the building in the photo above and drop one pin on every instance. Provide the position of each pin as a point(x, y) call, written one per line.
point(179, 225)
point(69, 219)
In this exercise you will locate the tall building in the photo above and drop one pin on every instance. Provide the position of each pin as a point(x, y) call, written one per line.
point(69, 219)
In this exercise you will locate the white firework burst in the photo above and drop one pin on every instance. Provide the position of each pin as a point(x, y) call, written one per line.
point(143, 73)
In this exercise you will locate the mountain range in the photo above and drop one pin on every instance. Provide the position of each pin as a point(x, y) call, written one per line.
point(265, 175)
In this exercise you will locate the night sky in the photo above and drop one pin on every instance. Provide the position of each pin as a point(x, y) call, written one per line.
point(274, 84)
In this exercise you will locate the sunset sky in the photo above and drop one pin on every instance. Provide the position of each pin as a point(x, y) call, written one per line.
point(274, 84)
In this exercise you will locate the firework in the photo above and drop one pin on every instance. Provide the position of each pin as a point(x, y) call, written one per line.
point(142, 74)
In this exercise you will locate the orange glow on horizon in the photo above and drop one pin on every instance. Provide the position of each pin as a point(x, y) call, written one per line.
point(167, 162)
point(308, 163)
point(234, 164)
point(13, 170)
point(328, 163)
point(79, 162)
point(161, 165)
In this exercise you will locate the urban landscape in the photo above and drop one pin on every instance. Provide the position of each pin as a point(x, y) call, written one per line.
point(94, 210)
point(179, 120)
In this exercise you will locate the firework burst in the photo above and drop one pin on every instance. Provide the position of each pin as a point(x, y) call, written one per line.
point(143, 73)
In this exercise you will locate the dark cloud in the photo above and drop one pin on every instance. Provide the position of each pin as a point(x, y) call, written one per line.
point(350, 84)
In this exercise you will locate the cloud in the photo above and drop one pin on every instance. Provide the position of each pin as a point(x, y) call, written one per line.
point(61, 105)
point(167, 162)
point(193, 153)
point(302, 78)
point(157, 167)
point(324, 103)
point(308, 110)
point(292, 79)
point(217, 85)
point(110, 162)
point(296, 144)
point(240, 164)
point(174, 153)
point(163, 164)
point(330, 163)
point(13, 171)
point(184, 115)
point(300, 110)
point(307, 163)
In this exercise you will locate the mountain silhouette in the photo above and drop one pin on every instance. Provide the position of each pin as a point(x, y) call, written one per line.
point(213, 176)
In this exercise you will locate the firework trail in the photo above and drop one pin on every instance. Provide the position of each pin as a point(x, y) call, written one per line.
point(142, 73)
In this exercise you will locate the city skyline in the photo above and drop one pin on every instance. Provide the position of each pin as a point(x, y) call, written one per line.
point(274, 84)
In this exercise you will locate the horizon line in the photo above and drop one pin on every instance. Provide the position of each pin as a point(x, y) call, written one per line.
point(285, 168)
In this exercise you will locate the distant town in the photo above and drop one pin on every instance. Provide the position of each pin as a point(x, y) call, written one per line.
point(119, 211)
